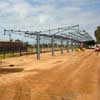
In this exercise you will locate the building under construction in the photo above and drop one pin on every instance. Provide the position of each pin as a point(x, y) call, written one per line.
point(55, 39)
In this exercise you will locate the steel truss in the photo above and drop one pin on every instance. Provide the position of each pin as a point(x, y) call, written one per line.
point(70, 34)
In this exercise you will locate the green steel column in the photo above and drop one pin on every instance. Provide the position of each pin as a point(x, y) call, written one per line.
point(52, 43)
point(71, 44)
point(79, 44)
point(61, 45)
point(67, 44)
point(38, 46)
point(75, 44)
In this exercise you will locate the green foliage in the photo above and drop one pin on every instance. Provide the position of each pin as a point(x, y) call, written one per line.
point(97, 34)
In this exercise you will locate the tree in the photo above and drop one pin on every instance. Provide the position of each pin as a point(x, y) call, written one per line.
point(97, 34)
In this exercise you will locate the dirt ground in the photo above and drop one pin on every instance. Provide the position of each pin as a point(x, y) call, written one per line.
point(71, 76)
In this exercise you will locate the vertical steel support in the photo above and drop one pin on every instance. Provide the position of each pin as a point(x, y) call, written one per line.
point(67, 45)
point(61, 45)
point(75, 44)
point(71, 44)
point(38, 46)
point(79, 44)
point(52, 43)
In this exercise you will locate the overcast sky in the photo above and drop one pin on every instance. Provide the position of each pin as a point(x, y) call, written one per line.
point(51, 12)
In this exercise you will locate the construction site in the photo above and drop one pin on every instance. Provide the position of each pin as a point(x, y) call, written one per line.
point(59, 64)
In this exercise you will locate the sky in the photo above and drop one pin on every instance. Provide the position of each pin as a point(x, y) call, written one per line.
point(43, 13)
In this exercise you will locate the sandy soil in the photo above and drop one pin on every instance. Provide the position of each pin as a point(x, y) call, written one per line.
point(71, 76)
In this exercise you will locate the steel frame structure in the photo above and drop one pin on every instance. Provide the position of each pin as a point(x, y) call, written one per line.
point(75, 37)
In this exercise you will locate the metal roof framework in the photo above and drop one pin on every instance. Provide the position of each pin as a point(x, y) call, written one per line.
point(66, 33)
point(61, 32)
